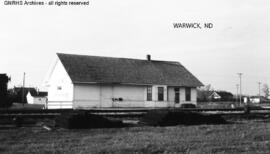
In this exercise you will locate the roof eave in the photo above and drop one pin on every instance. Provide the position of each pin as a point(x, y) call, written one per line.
point(138, 84)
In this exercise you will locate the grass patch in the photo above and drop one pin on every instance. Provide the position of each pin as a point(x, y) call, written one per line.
point(249, 137)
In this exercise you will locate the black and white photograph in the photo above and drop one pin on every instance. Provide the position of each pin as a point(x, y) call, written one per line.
point(134, 76)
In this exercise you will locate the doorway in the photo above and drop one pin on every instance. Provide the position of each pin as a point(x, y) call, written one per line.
point(176, 95)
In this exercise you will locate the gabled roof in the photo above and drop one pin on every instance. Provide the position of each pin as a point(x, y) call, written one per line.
point(95, 69)
point(39, 94)
point(25, 90)
point(261, 97)
point(224, 94)
point(221, 94)
point(214, 94)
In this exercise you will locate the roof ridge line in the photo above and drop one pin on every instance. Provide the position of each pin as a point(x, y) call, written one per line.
point(176, 62)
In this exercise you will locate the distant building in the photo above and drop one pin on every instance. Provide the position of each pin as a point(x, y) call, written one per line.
point(29, 95)
point(21, 93)
point(37, 97)
point(258, 99)
point(80, 81)
point(215, 96)
point(255, 99)
point(224, 96)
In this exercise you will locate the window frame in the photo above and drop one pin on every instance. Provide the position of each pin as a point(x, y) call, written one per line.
point(188, 94)
point(149, 93)
point(159, 94)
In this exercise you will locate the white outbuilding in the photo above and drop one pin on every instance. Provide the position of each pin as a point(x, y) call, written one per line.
point(36, 97)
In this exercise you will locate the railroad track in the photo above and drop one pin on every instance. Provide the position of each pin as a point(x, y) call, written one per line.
point(112, 112)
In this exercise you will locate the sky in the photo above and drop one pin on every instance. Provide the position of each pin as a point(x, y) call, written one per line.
point(30, 37)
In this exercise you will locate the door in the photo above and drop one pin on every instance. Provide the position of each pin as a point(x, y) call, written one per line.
point(176, 95)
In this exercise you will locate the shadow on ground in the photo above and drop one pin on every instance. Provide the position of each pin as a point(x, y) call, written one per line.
point(171, 118)
point(84, 121)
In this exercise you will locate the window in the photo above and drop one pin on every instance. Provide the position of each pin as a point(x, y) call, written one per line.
point(149, 93)
point(160, 94)
point(188, 94)
point(177, 95)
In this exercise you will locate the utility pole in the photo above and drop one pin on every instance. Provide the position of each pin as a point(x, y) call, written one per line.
point(23, 88)
point(237, 87)
point(240, 77)
point(259, 91)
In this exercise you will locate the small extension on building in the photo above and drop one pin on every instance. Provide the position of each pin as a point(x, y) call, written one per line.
point(82, 81)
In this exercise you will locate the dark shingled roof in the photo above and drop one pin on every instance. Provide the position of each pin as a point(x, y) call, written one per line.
point(94, 69)
point(40, 94)
point(32, 91)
